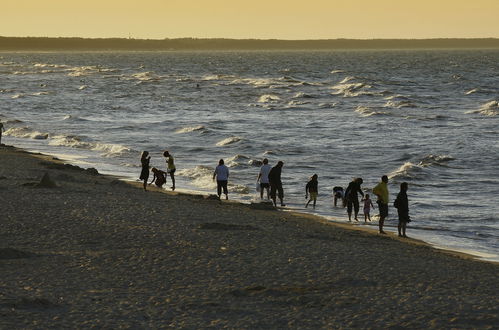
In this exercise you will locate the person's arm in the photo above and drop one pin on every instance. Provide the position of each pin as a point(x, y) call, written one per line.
point(306, 189)
point(259, 176)
point(214, 174)
point(153, 178)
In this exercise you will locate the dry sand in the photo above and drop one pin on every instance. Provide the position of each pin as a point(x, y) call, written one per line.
point(97, 252)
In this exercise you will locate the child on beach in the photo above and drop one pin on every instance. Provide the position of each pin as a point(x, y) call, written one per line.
point(159, 177)
point(144, 174)
point(312, 188)
point(368, 203)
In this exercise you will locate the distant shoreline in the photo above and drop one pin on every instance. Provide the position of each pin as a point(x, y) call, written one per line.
point(193, 44)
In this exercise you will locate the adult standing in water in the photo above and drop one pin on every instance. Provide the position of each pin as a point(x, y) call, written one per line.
point(263, 178)
point(144, 161)
point(402, 205)
point(222, 175)
point(381, 190)
point(2, 129)
point(276, 183)
point(170, 168)
point(352, 198)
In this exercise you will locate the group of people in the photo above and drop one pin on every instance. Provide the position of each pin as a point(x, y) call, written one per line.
point(350, 200)
point(269, 181)
point(159, 176)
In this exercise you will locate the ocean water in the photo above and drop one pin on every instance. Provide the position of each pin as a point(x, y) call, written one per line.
point(427, 117)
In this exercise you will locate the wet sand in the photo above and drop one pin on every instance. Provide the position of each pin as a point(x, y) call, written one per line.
point(94, 251)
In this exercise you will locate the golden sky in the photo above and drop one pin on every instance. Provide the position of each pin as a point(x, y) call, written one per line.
point(282, 19)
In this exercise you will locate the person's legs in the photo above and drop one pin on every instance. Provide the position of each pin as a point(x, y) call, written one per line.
point(219, 188)
point(399, 227)
point(404, 225)
point(280, 192)
point(356, 208)
point(172, 176)
point(349, 209)
point(315, 201)
point(383, 212)
point(273, 190)
point(226, 191)
point(261, 190)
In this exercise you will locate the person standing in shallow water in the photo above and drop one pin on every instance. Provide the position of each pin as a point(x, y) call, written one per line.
point(402, 205)
point(2, 129)
point(144, 174)
point(276, 189)
point(170, 168)
point(312, 188)
point(222, 175)
point(381, 190)
point(263, 178)
point(352, 198)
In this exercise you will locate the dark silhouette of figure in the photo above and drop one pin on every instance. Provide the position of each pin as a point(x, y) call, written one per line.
point(159, 177)
point(338, 193)
point(222, 175)
point(352, 198)
point(144, 174)
point(402, 205)
point(2, 129)
point(276, 189)
point(170, 168)
point(263, 178)
point(368, 203)
point(381, 190)
point(312, 188)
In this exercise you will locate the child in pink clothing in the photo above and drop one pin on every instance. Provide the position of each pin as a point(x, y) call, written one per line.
point(368, 203)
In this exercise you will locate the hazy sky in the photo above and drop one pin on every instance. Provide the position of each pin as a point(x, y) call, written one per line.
point(283, 19)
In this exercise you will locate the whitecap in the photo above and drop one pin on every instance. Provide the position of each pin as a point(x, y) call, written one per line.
point(269, 98)
point(472, 91)
point(82, 87)
point(489, 109)
point(201, 176)
point(189, 129)
point(26, 132)
point(365, 111)
point(229, 140)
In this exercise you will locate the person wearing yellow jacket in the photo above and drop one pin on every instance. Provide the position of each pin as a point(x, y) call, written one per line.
point(381, 190)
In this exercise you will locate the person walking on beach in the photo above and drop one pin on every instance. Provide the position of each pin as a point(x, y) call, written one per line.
point(222, 175)
point(312, 188)
point(402, 205)
point(2, 129)
point(159, 177)
point(381, 190)
point(276, 183)
point(368, 203)
point(263, 178)
point(352, 198)
point(170, 161)
point(338, 193)
point(144, 174)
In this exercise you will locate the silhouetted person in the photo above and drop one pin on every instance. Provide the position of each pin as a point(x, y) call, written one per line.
point(402, 205)
point(352, 198)
point(2, 129)
point(159, 177)
point(276, 183)
point(222, 175)
point(368, 203)
point(170, 168)
point(263, 178)
point(381, 190)
point(312, 188)
point(338, 193)
point(144, 174)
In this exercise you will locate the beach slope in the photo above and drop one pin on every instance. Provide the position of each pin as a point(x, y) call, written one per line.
point(79, 249)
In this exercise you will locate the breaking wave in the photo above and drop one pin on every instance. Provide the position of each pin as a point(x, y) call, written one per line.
point(368, 112)
point(191, 129)
point(488, 109)
point(26, 132)
point(229, 140)
point(410, 171)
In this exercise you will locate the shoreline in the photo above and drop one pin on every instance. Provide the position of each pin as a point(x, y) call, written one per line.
point(95, 251)
point(478, 256)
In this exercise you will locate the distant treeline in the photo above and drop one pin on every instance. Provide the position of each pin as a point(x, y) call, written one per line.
point(84, 44)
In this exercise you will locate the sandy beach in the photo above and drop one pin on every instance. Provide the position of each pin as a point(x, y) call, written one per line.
point(95, 251)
